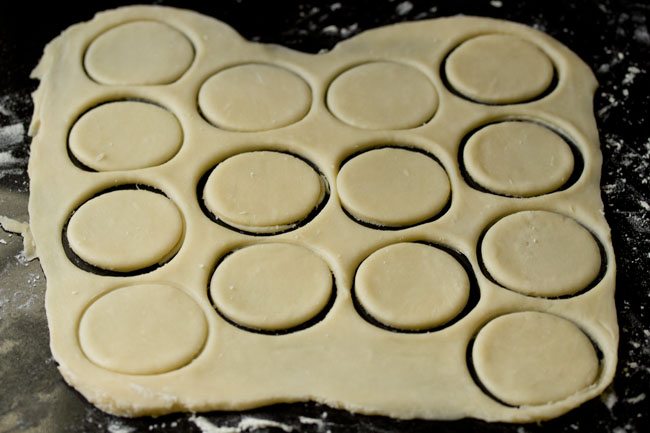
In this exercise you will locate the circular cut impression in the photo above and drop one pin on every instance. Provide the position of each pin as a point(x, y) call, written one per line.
point(143, 329)
point(263, 191)
point(393, 187)
point(382, 95)
point(137, 53)
point(412, 286)
point(271, 286)
point(518, 159)
point(533, 358)
point(254, 97)
point(125, 135)
point(499, 69)
point(541, 253)
point(126, 230)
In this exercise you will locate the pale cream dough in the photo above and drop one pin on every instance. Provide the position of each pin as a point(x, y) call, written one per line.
point(163, 332)
point(412, 286)
point(125, 135)
point(10, 225)
point(271, 286)
point(541, 253)
point(262, 191)
point(532, 358)
point(254, 98)
point(499, 69)
point(393, 187)
point(382, 95)
point(125, 230)
point(143, 329)
point(518, 159)
point(141, 52)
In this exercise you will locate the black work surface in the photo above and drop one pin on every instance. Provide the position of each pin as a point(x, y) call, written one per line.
point(612, 37)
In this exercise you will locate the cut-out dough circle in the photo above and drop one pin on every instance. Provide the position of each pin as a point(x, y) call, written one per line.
point(263, 191)
point(143, 329)
point(499, 69)
point(125, 135)
point(518, 159)
point(382, 95)
point(541, 253)
point(393, 187)
point(126, 230)
point(412, 286)
point(532, 358)
point(254, 97)
point(271, 287)
point(139, 53)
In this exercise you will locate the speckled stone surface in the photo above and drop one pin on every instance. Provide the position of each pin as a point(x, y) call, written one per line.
point(612, 37)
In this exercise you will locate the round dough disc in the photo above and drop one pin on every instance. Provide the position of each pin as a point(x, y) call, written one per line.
point(139, 53)
point(532, 358)
point(382, 95)
point(143, 329)
point(518, 159)
point(499, 69)
point(125, 230)
point(271, 286)
point(262, 191)
point(393, 187)
point(412, 286)
point(254, 97)
point(125, 135)
point(541, 253)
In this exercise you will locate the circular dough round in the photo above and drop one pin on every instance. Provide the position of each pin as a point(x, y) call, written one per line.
point(125, 230)
point(518, 159)
point(125, 135)
point(532, 358)
point(139, 53)
point(254, 97)
point(499, 69)
point(412, 286)
point(263, 191)
point(143, 329)
point(541, 253)
point(271, 286)
point(382, 95)
point(393, 187)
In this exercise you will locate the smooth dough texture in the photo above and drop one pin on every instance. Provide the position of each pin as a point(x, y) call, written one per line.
point(270, 226)
point(412, 286)
point(533, 358)
point(140, 52)
point(541, 253)
point(254, 98)
point(125, 135)
point(271, 287)
point(134, 330)
point(262, 191)
point(518, 159)
point(382, 95)
point(125, 230)
point(499, 69)
point(393, 187)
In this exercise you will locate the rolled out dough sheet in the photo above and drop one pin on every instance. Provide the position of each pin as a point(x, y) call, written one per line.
point(408, 225)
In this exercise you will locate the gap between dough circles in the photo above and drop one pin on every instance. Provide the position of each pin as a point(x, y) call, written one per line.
point(374, 228)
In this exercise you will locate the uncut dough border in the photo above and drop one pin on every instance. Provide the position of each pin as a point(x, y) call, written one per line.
point(58, 187)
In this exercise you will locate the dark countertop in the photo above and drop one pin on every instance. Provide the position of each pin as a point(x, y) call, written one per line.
point(611, 36)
